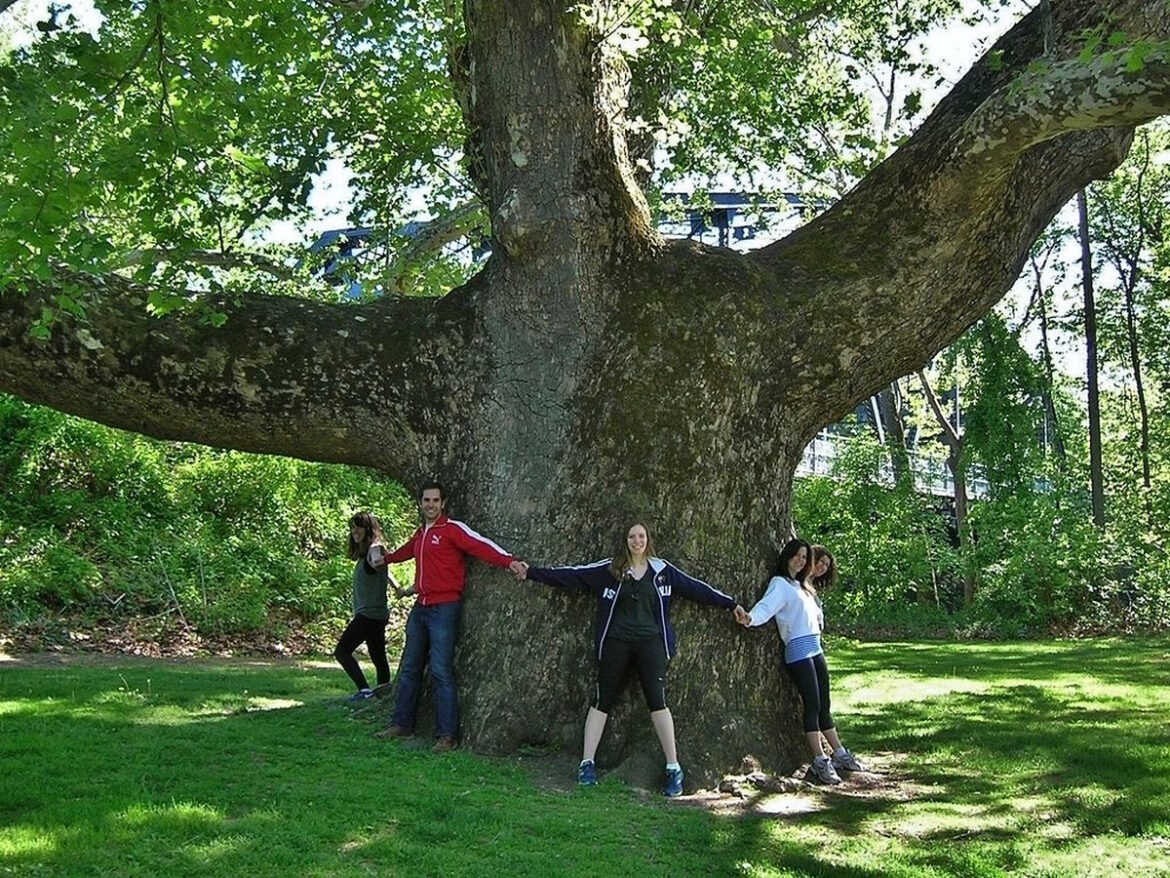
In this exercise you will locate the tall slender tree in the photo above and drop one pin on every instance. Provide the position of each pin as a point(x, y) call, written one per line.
point(1130, 210)
point(953, 438)
point(1096, 471)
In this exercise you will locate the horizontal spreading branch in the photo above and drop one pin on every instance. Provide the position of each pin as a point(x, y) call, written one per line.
point(372, 384)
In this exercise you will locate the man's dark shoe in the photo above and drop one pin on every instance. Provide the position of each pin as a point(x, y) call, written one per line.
point(393, 732)
point(444, 744)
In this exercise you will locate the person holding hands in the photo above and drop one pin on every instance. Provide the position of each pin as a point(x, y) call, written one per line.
point(634, 590)
point(792, 601)
point(371, 613)
point(439, 548)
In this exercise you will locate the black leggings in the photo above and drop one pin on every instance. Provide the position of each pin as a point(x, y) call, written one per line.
point(371, 632)
point(811, 676)
point(647, 657)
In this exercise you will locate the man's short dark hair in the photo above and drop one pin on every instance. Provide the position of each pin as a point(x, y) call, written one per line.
point(431, 486)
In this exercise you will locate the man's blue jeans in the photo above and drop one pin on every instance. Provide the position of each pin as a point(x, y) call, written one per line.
point(431, 633)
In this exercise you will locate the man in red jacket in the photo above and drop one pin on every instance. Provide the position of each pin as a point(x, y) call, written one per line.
point(439, 547)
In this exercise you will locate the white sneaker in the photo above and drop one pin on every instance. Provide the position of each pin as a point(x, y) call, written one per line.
point(846, 761)
point(821, 771)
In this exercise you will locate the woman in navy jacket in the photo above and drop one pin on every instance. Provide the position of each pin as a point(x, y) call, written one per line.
point(634, 590)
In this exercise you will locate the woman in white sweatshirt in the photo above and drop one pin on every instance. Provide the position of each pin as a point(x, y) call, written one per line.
point(792, 601)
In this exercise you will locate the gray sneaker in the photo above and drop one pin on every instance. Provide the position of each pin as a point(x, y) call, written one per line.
point(821, 771)
point(846, 761)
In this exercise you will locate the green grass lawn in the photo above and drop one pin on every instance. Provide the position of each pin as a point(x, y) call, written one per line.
point(1000, 759)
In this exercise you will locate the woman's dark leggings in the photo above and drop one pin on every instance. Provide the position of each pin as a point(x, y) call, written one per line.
point(647, 657)
point(811, 676)
point(371, 632)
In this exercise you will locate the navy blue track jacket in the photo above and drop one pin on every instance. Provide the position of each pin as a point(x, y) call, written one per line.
point(668, 581)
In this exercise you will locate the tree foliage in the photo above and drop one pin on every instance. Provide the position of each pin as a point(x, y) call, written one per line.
point(167, 142)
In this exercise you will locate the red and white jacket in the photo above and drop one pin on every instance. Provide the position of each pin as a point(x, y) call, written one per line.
point(439, 552)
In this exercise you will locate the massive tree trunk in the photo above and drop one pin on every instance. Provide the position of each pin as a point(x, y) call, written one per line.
point(593, 372)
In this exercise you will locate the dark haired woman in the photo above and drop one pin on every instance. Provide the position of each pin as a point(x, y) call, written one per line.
point(792, 601)
point(633, 590)
point(824, 570)
point(371, 611)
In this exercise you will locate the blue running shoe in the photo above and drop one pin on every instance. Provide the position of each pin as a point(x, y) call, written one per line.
point(360, 695)
point(587, 774)
point(674, 779)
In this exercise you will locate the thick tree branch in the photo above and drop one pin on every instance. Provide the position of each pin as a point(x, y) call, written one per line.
point(545, 102)
point(1069, 96)
point(936, 234)
point(400, 274)
point(375, 384)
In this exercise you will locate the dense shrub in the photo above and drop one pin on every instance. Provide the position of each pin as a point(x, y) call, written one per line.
point(891, 546)
point(1041, 567)
point(105, 523)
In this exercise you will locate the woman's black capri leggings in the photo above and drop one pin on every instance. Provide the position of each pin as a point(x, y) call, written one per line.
point(811, 676)
point(647, 657)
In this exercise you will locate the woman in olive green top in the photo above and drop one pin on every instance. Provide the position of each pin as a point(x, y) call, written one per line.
point(371, 612)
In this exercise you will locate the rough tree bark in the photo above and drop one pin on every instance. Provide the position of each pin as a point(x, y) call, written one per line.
point(593, 372)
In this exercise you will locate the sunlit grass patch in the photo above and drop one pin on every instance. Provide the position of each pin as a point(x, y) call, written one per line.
point(892, 687)
point(21, 841)
point(944, 819)
point(1046, 760)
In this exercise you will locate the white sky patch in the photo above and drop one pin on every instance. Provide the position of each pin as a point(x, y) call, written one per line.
point(330, 200)
point(18, 24)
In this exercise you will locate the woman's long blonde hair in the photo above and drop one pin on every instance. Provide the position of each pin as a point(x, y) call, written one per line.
point(828, 579)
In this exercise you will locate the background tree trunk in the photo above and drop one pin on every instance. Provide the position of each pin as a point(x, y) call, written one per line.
point(889, 406)
point(1096, 470)
point(957, 464)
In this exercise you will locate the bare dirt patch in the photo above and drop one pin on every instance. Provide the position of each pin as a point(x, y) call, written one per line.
point(754, 793)
point(757, 793)
point(162, 636)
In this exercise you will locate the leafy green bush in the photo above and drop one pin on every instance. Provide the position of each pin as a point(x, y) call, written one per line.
point(1041, 565)
point(105, 523)
point(890, 545)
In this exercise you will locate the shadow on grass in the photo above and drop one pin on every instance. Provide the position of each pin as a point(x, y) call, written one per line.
point(163, 770)
point(181, 775)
